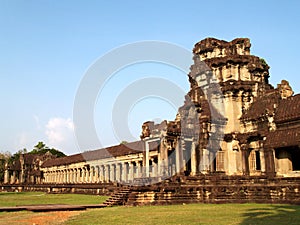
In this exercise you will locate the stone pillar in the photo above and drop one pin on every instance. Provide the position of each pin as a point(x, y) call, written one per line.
point(22, 176)
point(147, 165)
point(57, 177)
point(54, 176)
point(67, 176)
point(179, 157)
point(204, 163)
point(130, 171)
point(245, 159)
point(87, 175)
point(193, 159)
point(70, 171)
point(137, 169)
point(112, 172)
point(64, 176)
point(96, 178)
point(92, 174)
point(71, 175)
point(74, 176)
point(6, 174)
point(124, 172)
point(269, 162)
point(106, 176)
point(83, 174)
point(97, 175)
point(79, 175)
point(117, 172)
point(101, 173)
point(163, 163)
point(13, 177)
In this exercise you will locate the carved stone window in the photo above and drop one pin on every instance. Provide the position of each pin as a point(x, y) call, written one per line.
point(220, 161)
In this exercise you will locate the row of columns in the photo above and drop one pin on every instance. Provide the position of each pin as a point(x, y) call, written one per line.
point(117, 172)
point(19, 177)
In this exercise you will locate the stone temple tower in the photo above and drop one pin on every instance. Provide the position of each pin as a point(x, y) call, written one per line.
point(241, 76)
point(224, 79)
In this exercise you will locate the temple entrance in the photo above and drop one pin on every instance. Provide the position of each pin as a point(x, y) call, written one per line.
point(254, 161)
point(257, 160)
point(172, 162)
point(287, 159)
point(187, 157)
point(296, 159)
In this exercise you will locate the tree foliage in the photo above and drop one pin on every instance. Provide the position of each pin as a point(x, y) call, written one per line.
point(41, 148)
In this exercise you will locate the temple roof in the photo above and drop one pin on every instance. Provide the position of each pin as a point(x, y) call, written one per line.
point(262, 106)
point(64, 160)
point(283, 138)
point(288, 109)
point(285, 110)
point(114, 151)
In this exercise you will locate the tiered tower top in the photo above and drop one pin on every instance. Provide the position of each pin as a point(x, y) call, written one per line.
point(211, 48)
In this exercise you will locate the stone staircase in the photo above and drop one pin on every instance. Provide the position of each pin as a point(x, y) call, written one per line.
point(118, 198)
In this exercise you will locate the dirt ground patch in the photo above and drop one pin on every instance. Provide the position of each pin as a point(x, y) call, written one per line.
point(45, 218)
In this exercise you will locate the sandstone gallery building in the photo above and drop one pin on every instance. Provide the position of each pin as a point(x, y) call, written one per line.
point(232, 122)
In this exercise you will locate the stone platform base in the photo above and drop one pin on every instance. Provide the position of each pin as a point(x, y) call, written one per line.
point(218, 189)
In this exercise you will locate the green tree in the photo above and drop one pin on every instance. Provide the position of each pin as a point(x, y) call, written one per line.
point(41, 148)
point(16, 156)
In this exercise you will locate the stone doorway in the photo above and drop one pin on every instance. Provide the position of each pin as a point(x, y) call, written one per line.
point(287, 160)
point(187, 157)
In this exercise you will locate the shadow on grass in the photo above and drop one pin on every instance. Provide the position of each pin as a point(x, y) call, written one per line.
point(274, 214)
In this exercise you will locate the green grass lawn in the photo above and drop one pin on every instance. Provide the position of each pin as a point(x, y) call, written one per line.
point(243, 214)
point(257, 214)
point(30, 198)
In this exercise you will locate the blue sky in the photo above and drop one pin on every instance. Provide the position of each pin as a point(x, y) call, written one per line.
point(47, 46)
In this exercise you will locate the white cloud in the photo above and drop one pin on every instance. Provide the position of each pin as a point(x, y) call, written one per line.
point(60, 134)
point(37, 122)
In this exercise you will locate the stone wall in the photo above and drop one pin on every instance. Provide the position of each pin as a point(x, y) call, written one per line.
point(97, 189)
point(218, 189)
